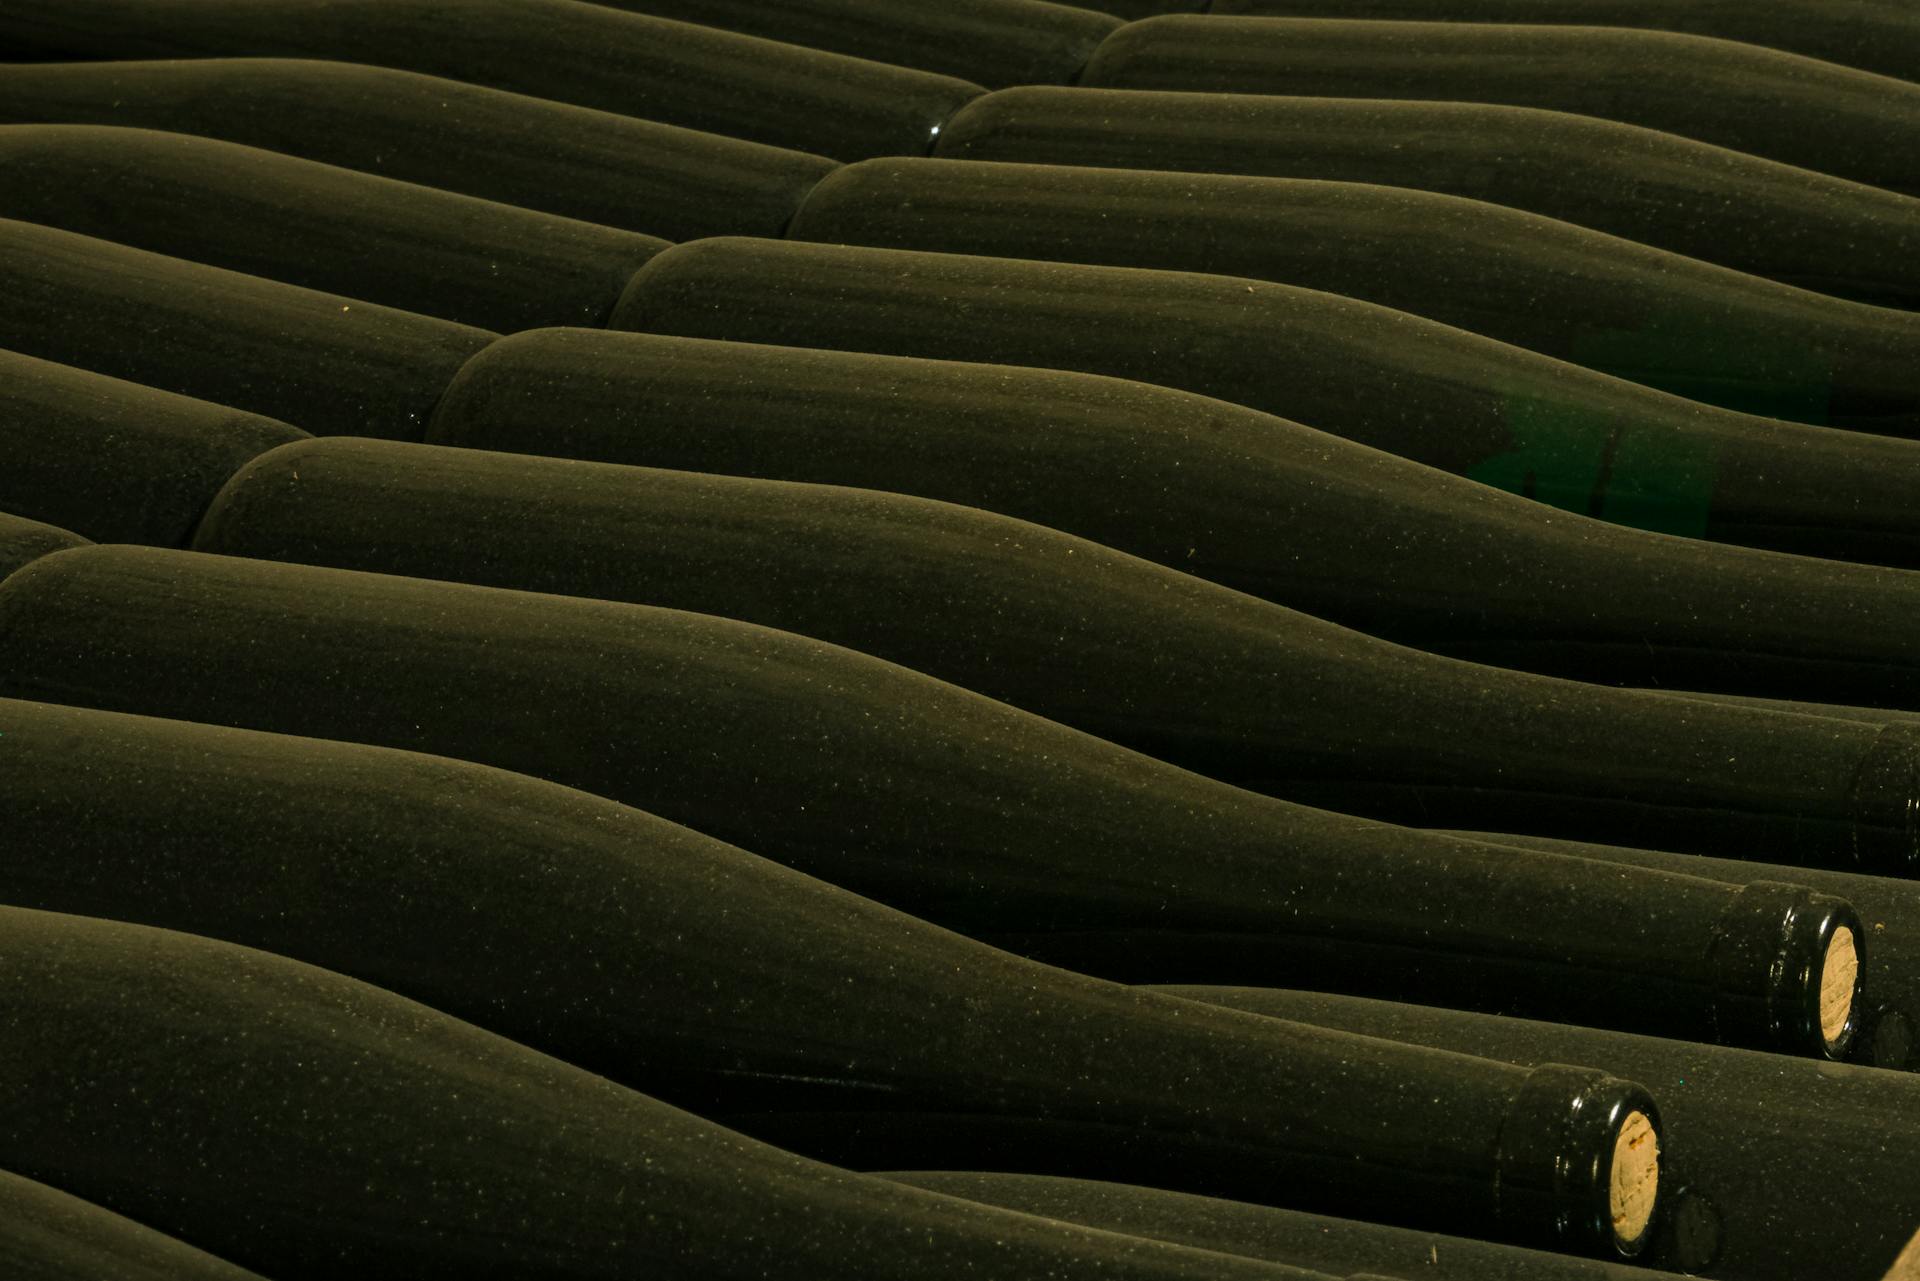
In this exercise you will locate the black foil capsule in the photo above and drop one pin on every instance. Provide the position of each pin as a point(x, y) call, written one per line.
point(596, 166)
point(1741, 211)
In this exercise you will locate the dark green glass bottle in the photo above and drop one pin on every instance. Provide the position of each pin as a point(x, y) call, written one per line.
point(597, 166)
point(1482, 409)
point(1727, 207)
point(46, 1235)
point(113, 460)
point(1764, 102)
point(1873, 35)
point(312, 1126)
point(677, 73)
point(318, 361)
point(1794, 1169)
point(323, 227)
point(1643, 314)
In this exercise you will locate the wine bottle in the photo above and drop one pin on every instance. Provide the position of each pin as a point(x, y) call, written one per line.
point(23, 540)
point(1789, 1204)
point(46, 1235)
point(1236, 688)
point(115, 461)
point(989, 42)
point(312, 1126)
point(677, 73)
point(1274, 1234)
point(315, 360)
point(1045, 841)
point(1240, 498)
point(1765, 102)
point(259, 212)
point(579, 163)
point(1872, 35)
point(1643, 314)
point(1496, 414)
point(1727, 207)
point(1889, 1018)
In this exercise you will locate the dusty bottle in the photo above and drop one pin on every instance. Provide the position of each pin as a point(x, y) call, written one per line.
point(23, 540)
point(319, 226)
point(1782, 106)
point(593, 165)
point(1241, 498)
point(1031, 837)
point(1649, 316)
point(309, 1125)
point(115, 461)
point(1192, 673)
point(1873, 35)
point(1767, 1141)
point(1278, 1235)
point(990, 42)
point(1741, 211)
point(1493, 413)
point(47, 1235)
point(318, 361)
point(678, 73)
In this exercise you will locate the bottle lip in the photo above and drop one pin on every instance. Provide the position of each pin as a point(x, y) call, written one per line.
point(1791, 964)
point(1582, 1150)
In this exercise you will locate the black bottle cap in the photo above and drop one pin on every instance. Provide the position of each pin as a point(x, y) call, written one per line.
point(1578, 1162)
point(1787, 967)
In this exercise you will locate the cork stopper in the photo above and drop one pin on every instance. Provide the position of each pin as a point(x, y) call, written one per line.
point(1838, 976)
point(1634, 1188)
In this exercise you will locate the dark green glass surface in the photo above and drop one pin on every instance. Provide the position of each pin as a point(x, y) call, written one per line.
point(1643, 314)
point(1807, 1167)
point(319, 361)
point(23, 540)
point(990, 42)
point(339, 230)
point(1873, 35)
point(113, 460)
point(678, 73)
point(1508, 418)
point(46, 1235)
point(593, 165)
point(1741, 211)
point(1781, 106)
point(1332, 1245)
point(314, 1127)
point(1241, 498)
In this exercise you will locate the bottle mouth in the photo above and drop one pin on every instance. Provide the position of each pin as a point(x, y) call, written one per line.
point(1633, 1183)
point(1839, 983)
point(1579, 1159)
point(1789, 969)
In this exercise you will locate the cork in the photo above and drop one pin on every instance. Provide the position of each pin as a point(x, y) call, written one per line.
point(1837, 977)
point(1635, 1186)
